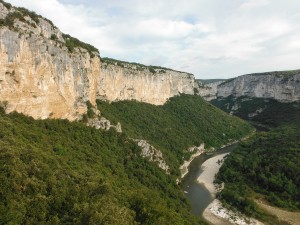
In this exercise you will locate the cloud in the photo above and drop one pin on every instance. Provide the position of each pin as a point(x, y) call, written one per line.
point(210, 38)
point(253, 4)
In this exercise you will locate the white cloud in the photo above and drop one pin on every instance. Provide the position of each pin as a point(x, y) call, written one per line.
point(210, 38)
point(253, 4)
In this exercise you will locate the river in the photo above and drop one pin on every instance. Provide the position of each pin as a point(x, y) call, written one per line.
point(198, 195)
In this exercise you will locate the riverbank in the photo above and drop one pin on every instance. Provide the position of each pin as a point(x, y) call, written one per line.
point(184, 168)
point(215, 213)
point(210, 169)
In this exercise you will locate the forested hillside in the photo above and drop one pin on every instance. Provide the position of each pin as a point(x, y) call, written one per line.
point(268, 112)
point(266, 166)
point(182, 122)
point(58, 172)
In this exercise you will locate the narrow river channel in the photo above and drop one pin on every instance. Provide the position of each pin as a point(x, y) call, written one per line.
point(198, 195)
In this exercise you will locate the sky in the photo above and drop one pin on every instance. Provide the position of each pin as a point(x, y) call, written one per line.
point(209, 38)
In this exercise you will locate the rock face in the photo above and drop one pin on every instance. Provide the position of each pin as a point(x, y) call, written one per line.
point(208, 91)
point(285, 88)
point(153, 155)
point(104, 124)
point(44, 74)
point(38, 75)
point(126, 83)
point(282, 86)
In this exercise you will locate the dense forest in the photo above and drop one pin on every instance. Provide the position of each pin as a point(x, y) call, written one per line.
point(61, 172)
point(266, 166)
point(182, 122)
point(269, 112)
point(58, 172)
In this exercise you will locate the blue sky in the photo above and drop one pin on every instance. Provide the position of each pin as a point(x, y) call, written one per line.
point(209, 38)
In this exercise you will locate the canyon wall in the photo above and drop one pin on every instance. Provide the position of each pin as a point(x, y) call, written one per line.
point(38, 75)
point(47, 74)
point(283, 86)
point(44, 73)
point(208, 91)
point(280, 86)
point(127, 82)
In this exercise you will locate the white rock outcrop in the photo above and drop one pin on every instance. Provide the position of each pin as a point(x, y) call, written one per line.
point(103, 124)
point(152, 154)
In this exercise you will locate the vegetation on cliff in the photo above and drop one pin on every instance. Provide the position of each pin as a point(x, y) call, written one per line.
point(20, 13)
point(184, 121)
point(72, 43)
point(286, 73)
point(138, 66)
point(209, 81)
point(267, 167)
point(58, 172)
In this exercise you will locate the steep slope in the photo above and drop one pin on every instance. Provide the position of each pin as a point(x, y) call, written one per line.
point(283, 86)
point(44, 73)
point(47, 74)
point(131, 81)
point(260, 111)
point(177, 127)
point(266, 168)
point(57, 172)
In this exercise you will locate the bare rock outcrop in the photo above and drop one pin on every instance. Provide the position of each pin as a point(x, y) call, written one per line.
point(103, 124)
point(153, 154)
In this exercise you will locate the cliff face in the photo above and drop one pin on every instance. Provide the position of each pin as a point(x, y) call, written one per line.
point(208, 91)
point(127, 83)
point(38, 76)
point(44, 73)
point(282, 86)
point(41, 75)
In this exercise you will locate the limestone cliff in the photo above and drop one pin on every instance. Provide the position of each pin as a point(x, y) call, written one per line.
point(277, 85)
point(125, 81)
point(45, 73)
point(208, 91)
point(39, 76)
point(283, 86)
